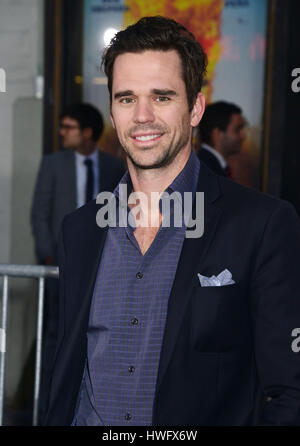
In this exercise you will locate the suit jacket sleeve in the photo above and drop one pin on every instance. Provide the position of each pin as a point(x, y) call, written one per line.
point(275, 302)
point(42, 208)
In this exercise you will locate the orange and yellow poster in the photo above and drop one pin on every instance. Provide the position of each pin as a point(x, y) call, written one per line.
point(232, 33)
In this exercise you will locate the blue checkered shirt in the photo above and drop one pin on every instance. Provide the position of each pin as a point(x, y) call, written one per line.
point(127, 319)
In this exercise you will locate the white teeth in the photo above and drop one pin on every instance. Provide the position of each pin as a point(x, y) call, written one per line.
point(146, 138)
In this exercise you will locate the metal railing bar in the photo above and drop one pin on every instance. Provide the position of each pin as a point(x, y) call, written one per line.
point(29, 271)
point(38, 359)
point(34, 271)
point(3, 344)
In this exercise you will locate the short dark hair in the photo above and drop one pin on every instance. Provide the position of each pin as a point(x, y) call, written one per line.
point(216, 115)
point(160, 34)
point(87, 116)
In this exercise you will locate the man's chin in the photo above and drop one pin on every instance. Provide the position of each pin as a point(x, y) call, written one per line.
point(151, 164)
point(147, 166)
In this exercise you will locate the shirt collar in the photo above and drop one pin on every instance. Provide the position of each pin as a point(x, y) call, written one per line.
point(218, 155)
point(93, 156)
point(187, 179)
point(124, 180)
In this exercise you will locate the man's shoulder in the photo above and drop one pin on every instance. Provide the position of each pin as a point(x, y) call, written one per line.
point(243, 199)
point(83, 216)
point(207, 156)
point(204, 153)
point(210, 160)
point(234, 199)
point(107, 158)
point(56, 158)
point(111, 170)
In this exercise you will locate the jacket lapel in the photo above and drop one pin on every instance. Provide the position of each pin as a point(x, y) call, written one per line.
point(193, 253)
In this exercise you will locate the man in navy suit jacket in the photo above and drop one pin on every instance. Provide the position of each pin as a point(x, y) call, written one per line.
point(214, 337)
point(61, 181)
point(222, 132)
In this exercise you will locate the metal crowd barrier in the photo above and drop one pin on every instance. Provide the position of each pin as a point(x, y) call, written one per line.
point(30, 271)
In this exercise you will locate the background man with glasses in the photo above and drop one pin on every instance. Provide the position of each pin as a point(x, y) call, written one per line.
point(69, 178)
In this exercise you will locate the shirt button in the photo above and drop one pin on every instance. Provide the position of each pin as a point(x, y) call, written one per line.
point(139, 275)
point(131, 369)
point(134, 321)
point(128, 416)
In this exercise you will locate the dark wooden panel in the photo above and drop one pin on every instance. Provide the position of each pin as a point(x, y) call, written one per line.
point(63, 63)
point(275, 96)
point(291, 144)
point(72, 50)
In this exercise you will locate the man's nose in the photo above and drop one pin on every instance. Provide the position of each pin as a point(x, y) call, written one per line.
point(143, 112)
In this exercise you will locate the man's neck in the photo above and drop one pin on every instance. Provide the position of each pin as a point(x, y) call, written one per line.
point(86, 149)
point(157, 180)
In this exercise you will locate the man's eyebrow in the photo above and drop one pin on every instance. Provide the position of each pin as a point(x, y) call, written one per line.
point(121, 94)
point(163, 92)
point(157, 91)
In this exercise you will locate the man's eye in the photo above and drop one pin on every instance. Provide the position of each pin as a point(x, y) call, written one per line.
point(126, 100)
point(162, 99)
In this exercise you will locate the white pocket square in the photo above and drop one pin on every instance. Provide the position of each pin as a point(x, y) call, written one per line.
point(224, 278)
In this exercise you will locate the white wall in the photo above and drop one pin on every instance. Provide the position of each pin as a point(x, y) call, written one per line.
point(21, 55)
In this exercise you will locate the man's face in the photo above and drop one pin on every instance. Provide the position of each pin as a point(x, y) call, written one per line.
point(70, 132)
point(232, 139)
point(149, 108)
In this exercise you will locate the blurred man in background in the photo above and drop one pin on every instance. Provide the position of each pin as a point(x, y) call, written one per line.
point(222, 132)
point(68, 179)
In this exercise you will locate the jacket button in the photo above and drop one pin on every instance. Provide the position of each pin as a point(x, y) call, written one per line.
point(131, 369)
point(139, 275)
point(128, 416)
point(134, 321)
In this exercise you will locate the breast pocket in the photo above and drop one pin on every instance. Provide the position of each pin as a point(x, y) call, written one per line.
point(219, 318)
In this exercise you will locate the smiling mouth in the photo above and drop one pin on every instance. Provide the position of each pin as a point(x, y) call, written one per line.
point(147, 138)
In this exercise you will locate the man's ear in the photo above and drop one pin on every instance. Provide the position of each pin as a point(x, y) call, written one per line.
point(198, 110)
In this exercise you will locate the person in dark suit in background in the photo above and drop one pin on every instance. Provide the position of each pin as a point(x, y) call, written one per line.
point(156, 326)
point(221, 132)
point(67, 180)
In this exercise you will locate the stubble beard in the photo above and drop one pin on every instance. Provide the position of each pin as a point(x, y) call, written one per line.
point(168, 153)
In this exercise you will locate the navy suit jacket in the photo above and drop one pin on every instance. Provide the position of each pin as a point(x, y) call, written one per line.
point(55, 194)
point(225, 349)
point(211, 161)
